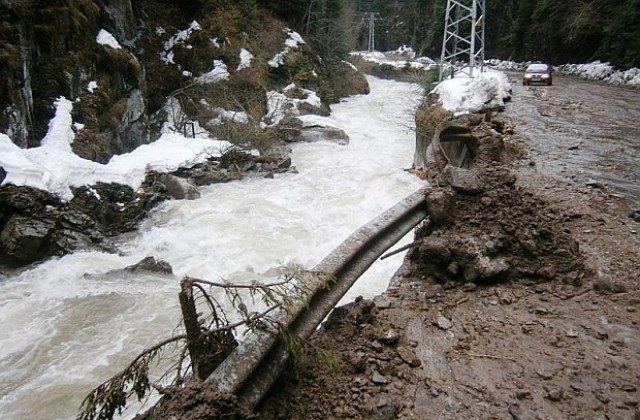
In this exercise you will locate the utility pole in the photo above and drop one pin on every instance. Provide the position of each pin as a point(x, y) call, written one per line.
point(463, 35)
point(372, 33)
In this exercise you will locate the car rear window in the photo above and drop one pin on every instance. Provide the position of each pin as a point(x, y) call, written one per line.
point(538, 67)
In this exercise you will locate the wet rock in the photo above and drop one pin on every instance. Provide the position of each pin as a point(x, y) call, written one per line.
point(69, 240)
point(602, 395)
point(150, 264)
point(178, 188)
point(315, 134)
point(382, 302)
point(464, 181)
point(523, 394)
point(555, 395)
point(609, 286)
point(21, 201)
point(409, 357)
point(285, 163)
point(389, 337)
point(26, 239)
point(379, 379)
point(594, 184)
point(76, 220)
point(208, 176)
point(440, 204)
point(443, 323)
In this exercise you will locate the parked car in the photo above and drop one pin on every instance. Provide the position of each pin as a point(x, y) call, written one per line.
point(538, 73)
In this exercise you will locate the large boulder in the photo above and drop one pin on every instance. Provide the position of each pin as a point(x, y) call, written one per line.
point(150, 264)
point(26, 239)
point(178, 188)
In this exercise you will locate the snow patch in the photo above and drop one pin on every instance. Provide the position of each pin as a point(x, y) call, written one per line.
point(281, 105)
point(464, 94)
point(105, 38)
point(217, 73)
point(55, 168)
point(293, 40)
point(245, 59)
point(179, 38)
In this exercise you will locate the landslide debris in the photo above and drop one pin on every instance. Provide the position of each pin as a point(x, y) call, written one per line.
point(498, 311)
point(483, 227)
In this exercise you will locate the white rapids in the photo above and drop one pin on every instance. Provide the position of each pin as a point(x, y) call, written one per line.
point(65, 327)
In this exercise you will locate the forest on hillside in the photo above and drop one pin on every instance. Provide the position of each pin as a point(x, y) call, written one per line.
point(567, 31)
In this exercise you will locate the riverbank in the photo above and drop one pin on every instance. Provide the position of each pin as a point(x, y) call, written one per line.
point(551, 345)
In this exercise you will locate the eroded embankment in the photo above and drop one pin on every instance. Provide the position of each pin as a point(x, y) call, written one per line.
point(496, 313)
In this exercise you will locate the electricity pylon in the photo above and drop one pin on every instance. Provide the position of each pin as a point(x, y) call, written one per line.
point(373, 16)
point(372, 32)
point(463, 35)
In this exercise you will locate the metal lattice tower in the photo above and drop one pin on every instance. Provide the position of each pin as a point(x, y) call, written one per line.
point(463, 35)
point(372, 32)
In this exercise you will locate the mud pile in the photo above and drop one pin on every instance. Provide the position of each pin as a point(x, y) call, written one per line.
point(482, 227)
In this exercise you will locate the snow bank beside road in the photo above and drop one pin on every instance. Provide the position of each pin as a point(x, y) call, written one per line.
point(602, 71)
point(595, 70)
point(464, 94)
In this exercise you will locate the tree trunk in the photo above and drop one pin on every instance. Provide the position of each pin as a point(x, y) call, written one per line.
point(192, 327)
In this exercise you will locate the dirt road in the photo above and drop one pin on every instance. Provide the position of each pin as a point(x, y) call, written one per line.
point(582, 130)
point(537, 345)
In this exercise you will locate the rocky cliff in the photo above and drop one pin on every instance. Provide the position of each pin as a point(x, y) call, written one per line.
point(132, 68)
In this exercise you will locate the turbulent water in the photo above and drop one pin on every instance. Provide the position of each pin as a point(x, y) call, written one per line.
point(66, 326)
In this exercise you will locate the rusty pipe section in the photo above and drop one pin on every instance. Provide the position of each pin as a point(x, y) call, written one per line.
point(250, 371)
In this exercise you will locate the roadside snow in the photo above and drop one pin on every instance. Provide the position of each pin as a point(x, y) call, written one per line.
point(464, 94)
point(595, 70)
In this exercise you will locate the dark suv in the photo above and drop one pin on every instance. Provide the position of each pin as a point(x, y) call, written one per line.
point(538, 73)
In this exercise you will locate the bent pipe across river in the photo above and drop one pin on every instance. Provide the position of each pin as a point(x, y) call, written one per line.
point(255, 365)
